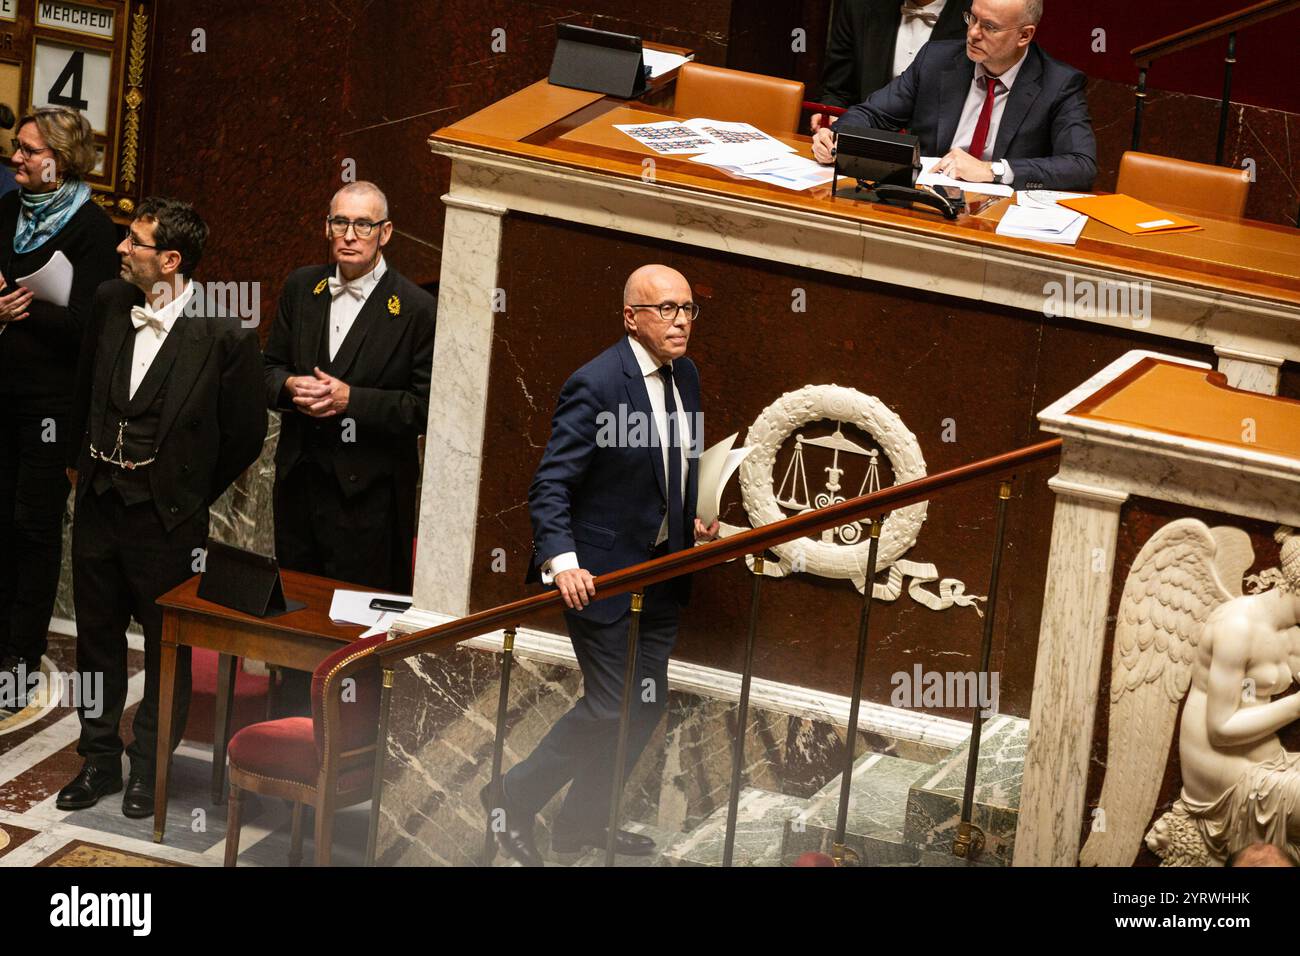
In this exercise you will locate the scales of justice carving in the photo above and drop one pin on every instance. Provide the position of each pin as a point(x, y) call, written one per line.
point(840, 552)
point(1186, 630)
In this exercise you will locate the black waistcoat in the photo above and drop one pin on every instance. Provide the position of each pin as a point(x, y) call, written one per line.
point(140, 413)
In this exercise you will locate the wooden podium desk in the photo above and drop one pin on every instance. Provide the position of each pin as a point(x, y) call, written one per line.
point(300, 639)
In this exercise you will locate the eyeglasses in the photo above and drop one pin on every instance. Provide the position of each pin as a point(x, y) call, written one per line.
point(28, 151)
point(363, 228)
point(132, 245)
point(986, 28)
point(668, 311)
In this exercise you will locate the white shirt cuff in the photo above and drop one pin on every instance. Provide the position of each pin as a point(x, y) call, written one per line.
point(1008, 175)
point(568, 561)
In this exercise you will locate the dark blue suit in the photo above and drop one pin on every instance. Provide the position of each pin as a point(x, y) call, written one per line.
point(1045, 133)
point(603, 496)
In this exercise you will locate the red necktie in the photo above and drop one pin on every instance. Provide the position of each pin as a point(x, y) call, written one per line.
point(986, 117)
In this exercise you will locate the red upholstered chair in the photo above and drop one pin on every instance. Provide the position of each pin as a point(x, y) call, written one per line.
point(326, 760)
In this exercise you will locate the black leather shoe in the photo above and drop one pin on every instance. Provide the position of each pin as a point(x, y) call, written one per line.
point(88, 786)
point(516, 835)
point(137, 802)
point(629, 844)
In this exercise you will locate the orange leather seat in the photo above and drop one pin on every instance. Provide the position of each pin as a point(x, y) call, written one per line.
point(1200, 187)
point(712, 92)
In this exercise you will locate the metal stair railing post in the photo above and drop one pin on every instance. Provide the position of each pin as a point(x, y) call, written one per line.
point(499, 744)
point(1226, 105)
point(381, 750)
point(742, 718)
point(841, 854)
point(620, 752)
point(970, 838)
point(1141, 95)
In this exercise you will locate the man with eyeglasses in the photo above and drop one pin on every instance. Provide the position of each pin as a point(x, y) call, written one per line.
point(605, 498)
point(172, 416)
point(994, 107)
point(347, 364)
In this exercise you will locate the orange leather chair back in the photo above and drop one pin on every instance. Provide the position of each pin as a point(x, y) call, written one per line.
point(711, 92)
point(1214, 190)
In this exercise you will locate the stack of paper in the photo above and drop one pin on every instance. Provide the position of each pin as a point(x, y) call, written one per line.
point(697, 135)
point(928, 178)
point(661, 62)
point(768, 163)
point(1043, 223)
point(353, 607)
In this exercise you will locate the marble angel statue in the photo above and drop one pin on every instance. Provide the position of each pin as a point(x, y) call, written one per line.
point(1186, 630)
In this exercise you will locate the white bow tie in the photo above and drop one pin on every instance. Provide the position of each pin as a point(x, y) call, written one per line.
point(339, 287)
point(142, 316)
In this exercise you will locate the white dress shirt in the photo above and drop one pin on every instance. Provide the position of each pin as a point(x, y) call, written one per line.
point(654, 386)
point(912, 35)
point(152, 328)
point(970, 113)
point(348, 299)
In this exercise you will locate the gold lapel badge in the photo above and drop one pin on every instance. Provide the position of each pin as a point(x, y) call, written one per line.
point(394, 305)
point(320, 287)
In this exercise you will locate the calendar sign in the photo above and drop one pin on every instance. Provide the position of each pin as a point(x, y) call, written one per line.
point(76, 77)
point(92, 56)
point(92, 21)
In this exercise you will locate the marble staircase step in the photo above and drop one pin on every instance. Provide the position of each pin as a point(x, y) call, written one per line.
point(596, 857)
point(761, 819)
point(878, 797)
point(934, 803)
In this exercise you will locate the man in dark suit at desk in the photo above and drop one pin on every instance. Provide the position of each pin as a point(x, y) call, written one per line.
point(995, 107)
point(173, 416)
point(348, 363)
point(873, 41)
point(601, 501)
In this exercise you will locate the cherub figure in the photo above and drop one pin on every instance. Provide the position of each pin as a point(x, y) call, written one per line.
point(1186, 630)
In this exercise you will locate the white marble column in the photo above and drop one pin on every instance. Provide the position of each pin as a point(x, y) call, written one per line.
point(1076, 601)
point(1249, 370)
point(454, 443)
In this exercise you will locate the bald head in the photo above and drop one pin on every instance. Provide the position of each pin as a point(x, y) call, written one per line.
point(366, 192)
point(645, 280)
point(1260, 854)
point(646, 290)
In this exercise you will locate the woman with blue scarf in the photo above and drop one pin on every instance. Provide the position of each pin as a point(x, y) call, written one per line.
point(48, 221)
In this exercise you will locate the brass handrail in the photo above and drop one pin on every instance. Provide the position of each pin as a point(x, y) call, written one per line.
point(1148, 53)
point(751, 541)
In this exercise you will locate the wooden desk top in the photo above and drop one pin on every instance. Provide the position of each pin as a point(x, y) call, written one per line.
point(574, 129)
point(1176, 399)
point(310, 621)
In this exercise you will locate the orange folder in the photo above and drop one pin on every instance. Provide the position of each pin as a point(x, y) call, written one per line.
point(1129, 215)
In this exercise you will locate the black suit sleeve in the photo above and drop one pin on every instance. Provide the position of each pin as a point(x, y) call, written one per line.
point(400, 411)
point(1073, 163)
point(277, 360)
point(243, 417)
point(839, 86)
point(890, 107)
point(82, 386)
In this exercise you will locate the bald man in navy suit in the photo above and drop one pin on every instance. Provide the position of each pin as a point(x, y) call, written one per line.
point(603, 500)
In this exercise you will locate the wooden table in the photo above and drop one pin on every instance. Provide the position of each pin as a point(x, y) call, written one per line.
point(300, 639)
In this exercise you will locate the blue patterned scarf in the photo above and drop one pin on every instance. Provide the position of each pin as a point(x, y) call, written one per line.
point(42, 215)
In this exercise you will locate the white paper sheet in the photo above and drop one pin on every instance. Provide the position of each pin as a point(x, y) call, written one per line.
point(353, 607)
point(699, 135)
point(1046, 197)
point(767, 163)
point(661, 62)
point(717, 465)
point(928, 178)
point(1054, 224)
point(52, 282)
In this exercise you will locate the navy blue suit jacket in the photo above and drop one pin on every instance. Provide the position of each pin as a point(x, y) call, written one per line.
point(606, 500)
point(1045, 133)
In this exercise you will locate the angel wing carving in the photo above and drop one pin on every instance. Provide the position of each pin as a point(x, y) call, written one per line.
point(1183, 572)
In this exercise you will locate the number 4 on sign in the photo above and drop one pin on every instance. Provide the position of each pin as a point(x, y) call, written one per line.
point(71, 74)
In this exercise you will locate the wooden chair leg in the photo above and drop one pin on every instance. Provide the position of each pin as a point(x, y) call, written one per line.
point(324, 827)
point(233, 824)
point(295, 844)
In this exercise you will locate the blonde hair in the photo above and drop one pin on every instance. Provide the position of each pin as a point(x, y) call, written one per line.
point(68, 133)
